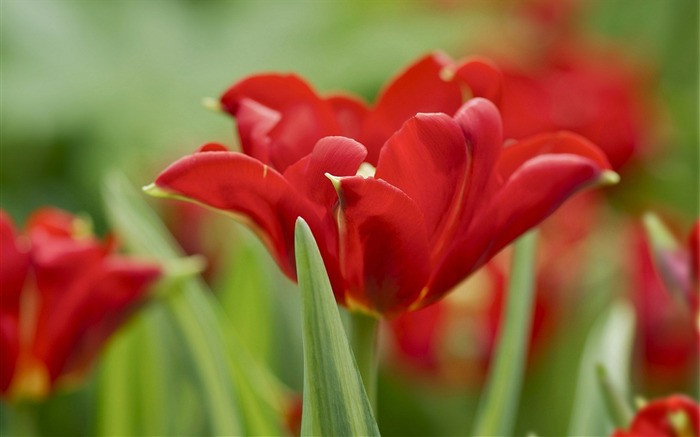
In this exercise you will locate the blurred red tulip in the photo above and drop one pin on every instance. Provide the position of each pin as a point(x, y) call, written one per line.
point(63, 294)
point(666, 307)
point(674, 416)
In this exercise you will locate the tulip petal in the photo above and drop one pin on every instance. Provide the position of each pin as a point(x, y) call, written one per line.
point(530, 195)
point(350, 113)
point(119, 290)
point(384, 248)
point(420, 88)
point(338, 156)
point(483, 78)
point(13, 272)
point(14, 265)
point(245, 188)
point(280, 117)
point(483, 131)
point(427, 159)
point(513, 156)
point(694, 244)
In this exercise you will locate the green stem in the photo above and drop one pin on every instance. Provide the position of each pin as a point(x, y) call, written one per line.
point(196, 320)
point(499, 403)
point(363, 340)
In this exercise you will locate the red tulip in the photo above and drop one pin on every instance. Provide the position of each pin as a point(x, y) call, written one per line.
point(63, 294)
point(674, 416)
point(446, 196)
point(666, 307)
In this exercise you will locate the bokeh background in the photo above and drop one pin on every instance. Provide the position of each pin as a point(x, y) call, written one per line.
point(92, 86)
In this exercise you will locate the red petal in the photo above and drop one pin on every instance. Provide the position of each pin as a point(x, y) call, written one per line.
point(515, 155)
point(420, 88)
point(351, 114)
point(483, 77)
point(118, 292)
point(253, 192)
point(483, 131)
point(9, 349)
point(384, 249)
point(654, 418)
point(694, 244)
point(14, 266)
point(280, 117)
point(427, 159)
point(338, 156)
point(531, 194)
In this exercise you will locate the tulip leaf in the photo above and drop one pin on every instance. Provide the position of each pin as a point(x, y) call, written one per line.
point(499, 404)
point(226, 374)
point(609, 344)
point(618, 408)
point(335, 401)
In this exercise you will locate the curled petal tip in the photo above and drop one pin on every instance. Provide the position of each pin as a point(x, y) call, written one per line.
point(212, 104)
point(609, 177)
point(448, 73)
point(335, 180)
point(155, 191)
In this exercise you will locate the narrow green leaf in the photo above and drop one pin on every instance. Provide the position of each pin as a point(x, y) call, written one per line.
point(116, 415)
point(335, 402)
point(499, 404)
point(137, 354)
point(139, 228)
point(238, 391)
point(609, 344)
point(618, 409)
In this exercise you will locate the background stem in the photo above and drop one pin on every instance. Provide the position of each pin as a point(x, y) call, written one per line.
point(499, 403)
point(363, 340)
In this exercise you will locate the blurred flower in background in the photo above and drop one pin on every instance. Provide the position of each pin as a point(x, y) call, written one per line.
point(666, 304)
point(63, 294)
point(674, 416)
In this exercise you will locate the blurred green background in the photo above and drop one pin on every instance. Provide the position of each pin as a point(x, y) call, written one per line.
point(92, 86)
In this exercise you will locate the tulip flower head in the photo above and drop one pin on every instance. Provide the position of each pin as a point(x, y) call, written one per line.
point(674, 416)
point(63, 294)
point(405, 199)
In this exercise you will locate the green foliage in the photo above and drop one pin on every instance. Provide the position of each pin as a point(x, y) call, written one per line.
point(335, 401)
point(499, 406)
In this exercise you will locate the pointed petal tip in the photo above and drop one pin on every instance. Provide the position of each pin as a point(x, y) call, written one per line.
point(212, 104)
point(154, 190)
point(335, 180)
point(609, 177)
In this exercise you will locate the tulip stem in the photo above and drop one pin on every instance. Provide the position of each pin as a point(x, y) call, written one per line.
point(499, 403)
point(363, 339)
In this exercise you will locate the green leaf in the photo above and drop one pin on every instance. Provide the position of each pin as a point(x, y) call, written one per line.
point(141, 230)
point(618, 408)
point(335, 402)
point(238, 391)
point(499, 404)
point(609, 344)
point(137, 354)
